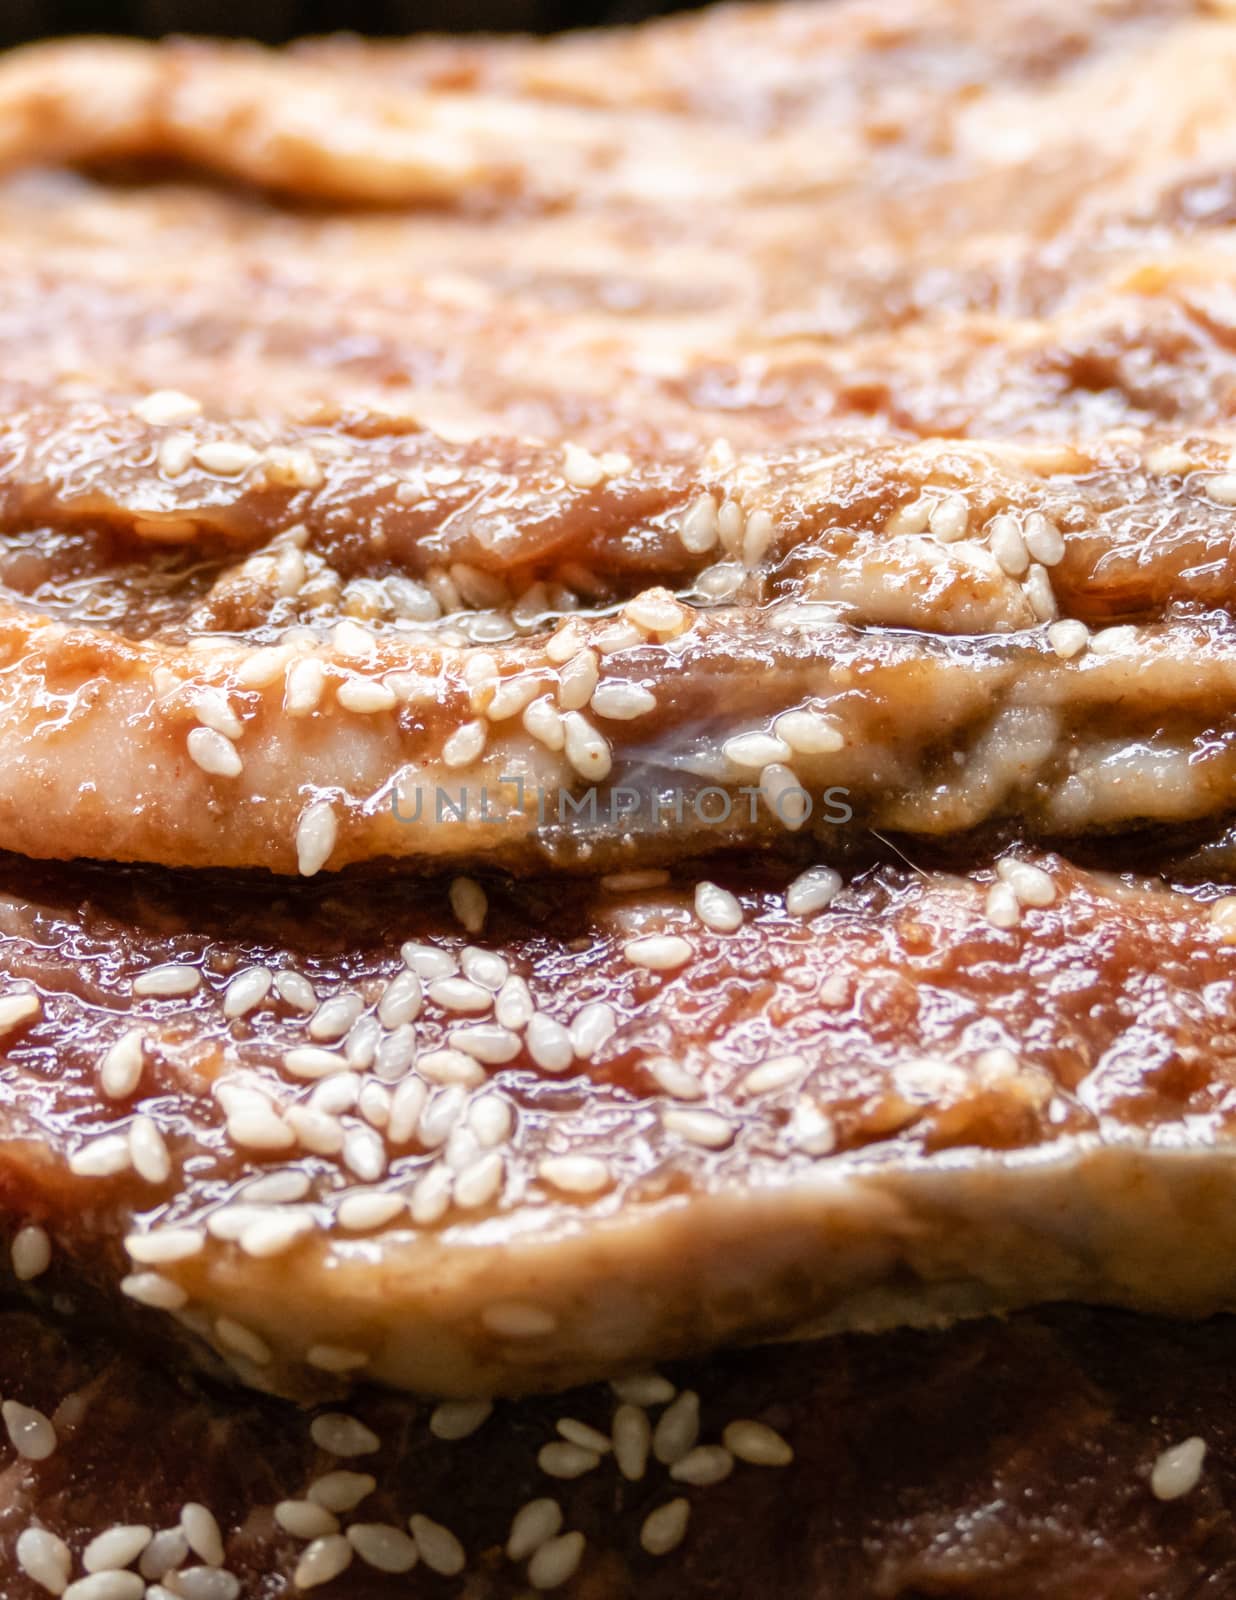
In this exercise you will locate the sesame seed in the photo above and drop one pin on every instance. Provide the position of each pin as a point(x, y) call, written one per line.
point(1178, 1469)
point(513, 1319)
point(203, 1583)
point(441, 1114)
point(1002, 907)
point(658, 952)
point(717, 908)
point(705, 1465)
point(949, 518)
point(1031, 885)
point(242, 1341)
point(623, 702)
point(165, 1244)
point(1110, 641)
point(616, 637)
point(587, 750)
point(698, 527)
point(365, 695)
point(510, 697)
point(364, 1153)
point(163, 407)
point(808, 734)
point(383, 1547)
point(175, 454)
point(469, 903)
point(45, 1559)
point(360, 1049)
point(335, 1358)
point(342, 1435)
point(757, 1444)
point(401, 1000)
point(758, 538)
point(322, 1561)
point(1221, 488)
point(480, 1183)
point(784, 796)
point(544, 722)
point(1068, 638)
point(492, 1120)
point(304, 686)
point(451, 1067)
point(665, 1528)
point(643, 1389)
point(341, 1491)
point(296, 989)
point(632, 1439)
point(465, 745)
point(484, 967)
point(407, 1103)
point(214, 753)
point(276, 1233)
point(148, 1151)
point(811, 891)
point(316, 834)
point(30, 1253)
point(439, 1549)
point(154, 1290)
point(205, 1538)
point(359, 1213)
point(549, 1043)
point(117, 1547)
point(580, 467)
point(533, 1525)
point(29, 1431)
point(488, 1042)
point(427, 962)
point(458, 1419)
point(107, 1586)
point(16, 1009)
point(514, 1007)
point(167, 981)
point(335, 1016)
point(396, 1053)
point(677, 1428)
point(593, 1027)
point(1043, 539)
point(556, 1561)
point(245, 992)
point(460, 995)
point(770, 1076)
point(1039, 592)
point(431, 1198)
point(561, 1459)
point(259, 1127)
point(755, 750)
point(1007, 545)
point(103, 1157)
point(674, 1078)
point(167, 1550)
point(227, 458)
point(310, 1061)
point(707, 1129)
point(580, 1433)
point(575, 1174)
point(577, 681)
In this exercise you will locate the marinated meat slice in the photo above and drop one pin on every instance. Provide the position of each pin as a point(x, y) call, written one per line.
point(333, 1133)
point(1028, 1459)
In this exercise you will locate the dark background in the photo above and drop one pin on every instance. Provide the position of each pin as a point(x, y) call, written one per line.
point(280, 19)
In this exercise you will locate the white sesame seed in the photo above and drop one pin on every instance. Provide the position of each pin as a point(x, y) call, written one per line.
point(364, 1153)
point(1031, 885)
point(165, 1244)
point(632, 1433)
point(1002, 907)
point(335, 1016)
point(512, 1319)
point(577, 682)
point(427, 962)
point(275, 1234)
point(758, 538)
point(311, 1062)
point(103, 1157)
point(431, 1198)
point(167, 1550)
point(451, 1067)
point(532, 1525)
point(1068, 638)
point(214, 753)
point(623, 702)
point(561, 1459)
point(755, 750)
point(259, 1127)
point(341, 1491)
point(401, 1000)
point(575, 1174)
point(543, 721)
point(511, 696)
point(365, 696)
point(1007, 545)
point(1178, 1470)
point(707, 1129)
point(45, 1559)
point(491, 1118)
point(593, 1027)
point(296, 989)
point(441, 1114)
point(1039, 592)
point(556, 1561)
point(665, 1528)
point(316, 835)
point(584, 1435)
point(117, 1547)
point(163, 982)
point(260, 668)
point(148, 1151)
point(322, 1561)
point(717, 908)
point(1221, 488)
point(808, 734)
point(674, 1078)
point(30, 1432)
point(677, 1428)
point(949, 518)
point(360, 1047)
point(811, 891)
point(163, 407)
point(383, 1547)
point(1110, 641)
point(278, 1188)
point(465, 745)
point(342, 1435)
point(439, 1549)
point(335, 1358)
point(458, 1419)
point(810, 1130)
point(396, 1054)
point(202, 1583)
point(226, 458)
point(107, 1586)
point(784, 796)
point(154, 1290)
point(30, 1253)
point(469, 903)
point(658, 952)
point(705, 1465)
point(487, 1041)
point(407, 1103)
point(549, 1043)
point(757, 1444)
point(698, 527)
point(17, 1009)
point(304, 686)
point(514, 1007)
point(245, 992)
point(175, 454)
point(359, 1213)
point(643, 1389)
point(480, 1183)
point(243, 1341)
point(587, 750)
point(484, 967)
point(460, 995)
point(580, 467)
point(1044, 540)
point(200, 1528)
